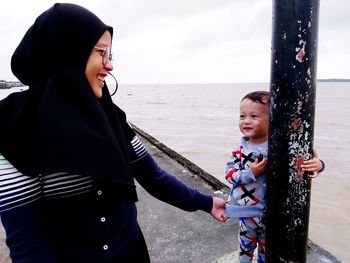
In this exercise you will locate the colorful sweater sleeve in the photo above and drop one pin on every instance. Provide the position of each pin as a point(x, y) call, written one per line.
point(236, 174)
point(168, 188)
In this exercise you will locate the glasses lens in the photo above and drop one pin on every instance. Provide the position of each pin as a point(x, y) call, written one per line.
point(110, 57)
point(107, 56)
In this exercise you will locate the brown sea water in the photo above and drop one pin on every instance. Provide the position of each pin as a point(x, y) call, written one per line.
point(200, 121)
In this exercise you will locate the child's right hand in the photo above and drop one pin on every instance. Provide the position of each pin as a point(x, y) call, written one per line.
point(258, 167)
point(315, 165)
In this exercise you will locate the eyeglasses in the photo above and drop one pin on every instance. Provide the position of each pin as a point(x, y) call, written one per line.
point(107, 55)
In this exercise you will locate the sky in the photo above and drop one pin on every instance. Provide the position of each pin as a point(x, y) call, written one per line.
point(189, 41)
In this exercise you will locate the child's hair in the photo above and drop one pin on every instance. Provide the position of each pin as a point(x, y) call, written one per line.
point(261, 96)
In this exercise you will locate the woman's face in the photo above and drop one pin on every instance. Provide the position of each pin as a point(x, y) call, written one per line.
point(99, 63)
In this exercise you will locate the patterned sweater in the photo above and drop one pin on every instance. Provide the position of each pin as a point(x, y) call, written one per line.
point(247, 195)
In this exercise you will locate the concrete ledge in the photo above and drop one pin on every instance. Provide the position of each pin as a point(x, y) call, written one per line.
point(208, 178)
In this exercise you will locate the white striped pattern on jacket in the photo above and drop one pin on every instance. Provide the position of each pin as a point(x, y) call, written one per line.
point(17, 189)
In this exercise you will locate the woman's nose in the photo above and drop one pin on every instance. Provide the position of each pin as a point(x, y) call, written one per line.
point(109, 65)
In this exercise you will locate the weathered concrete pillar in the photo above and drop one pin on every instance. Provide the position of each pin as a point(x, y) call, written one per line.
point(292, 109)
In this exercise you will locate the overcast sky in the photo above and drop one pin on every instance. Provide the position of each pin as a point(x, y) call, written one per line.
point(189, 41)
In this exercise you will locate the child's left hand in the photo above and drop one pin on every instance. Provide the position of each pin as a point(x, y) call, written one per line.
point(314, 165)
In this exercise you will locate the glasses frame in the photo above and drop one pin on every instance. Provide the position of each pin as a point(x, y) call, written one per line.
point(107, 55)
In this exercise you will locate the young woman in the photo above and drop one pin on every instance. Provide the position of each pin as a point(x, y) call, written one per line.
point(68, 157)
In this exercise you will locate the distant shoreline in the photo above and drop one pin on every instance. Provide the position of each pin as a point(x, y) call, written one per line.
point(10, 84)
point(333, 80)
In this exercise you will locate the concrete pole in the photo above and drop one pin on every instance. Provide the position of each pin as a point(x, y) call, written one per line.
point(292, 109)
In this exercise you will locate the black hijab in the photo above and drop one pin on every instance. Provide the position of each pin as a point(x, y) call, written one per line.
point(58, 124)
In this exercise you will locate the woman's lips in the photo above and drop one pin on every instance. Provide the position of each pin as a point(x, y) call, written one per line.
point(101, 79)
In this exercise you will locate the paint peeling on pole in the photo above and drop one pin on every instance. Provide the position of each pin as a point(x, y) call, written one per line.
point(292, 109)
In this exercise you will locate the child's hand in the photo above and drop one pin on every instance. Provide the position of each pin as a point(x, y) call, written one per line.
point(314, 165)
point(258, 167)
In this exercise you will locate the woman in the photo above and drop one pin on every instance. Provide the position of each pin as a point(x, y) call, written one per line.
point(68, 158)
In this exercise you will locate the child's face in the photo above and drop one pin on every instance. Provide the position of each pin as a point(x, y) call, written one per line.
point(253, 121)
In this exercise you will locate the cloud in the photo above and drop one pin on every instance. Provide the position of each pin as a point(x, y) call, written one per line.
point(189, 41)
point(186, 45)
point(333, 40)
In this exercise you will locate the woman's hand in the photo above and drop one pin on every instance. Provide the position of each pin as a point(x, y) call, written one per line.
point(218, 209)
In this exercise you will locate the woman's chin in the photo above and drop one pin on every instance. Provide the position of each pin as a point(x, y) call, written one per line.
point(98, 92)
